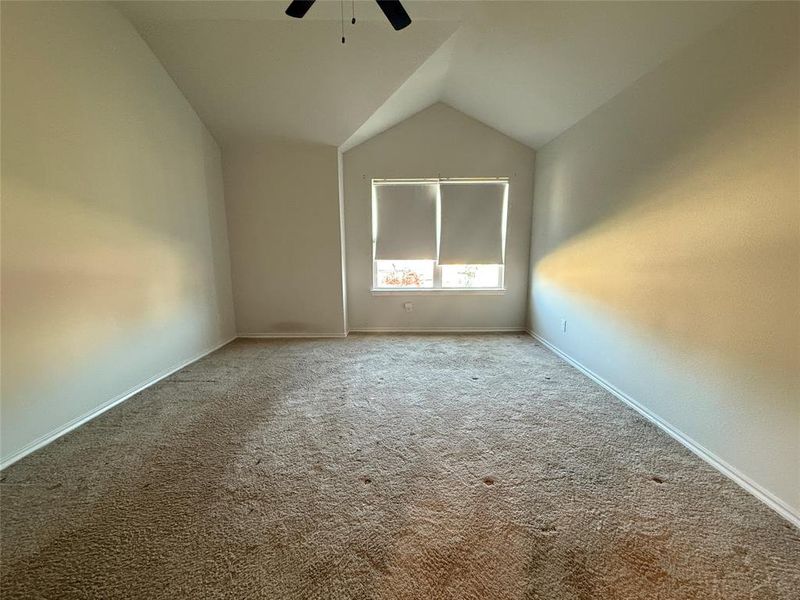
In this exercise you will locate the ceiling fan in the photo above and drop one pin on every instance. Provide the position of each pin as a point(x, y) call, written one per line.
point(393, 10)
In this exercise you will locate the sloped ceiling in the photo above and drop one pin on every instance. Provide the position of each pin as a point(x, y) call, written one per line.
point(425, 87)
point(528, 69)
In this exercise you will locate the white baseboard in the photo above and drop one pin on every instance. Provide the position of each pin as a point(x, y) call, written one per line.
point(384, 330)
point(86, 417)
point(278, 336)
point(438, 330)
point(767, 497)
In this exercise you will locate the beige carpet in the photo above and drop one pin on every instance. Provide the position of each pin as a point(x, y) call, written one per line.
point(383, 467)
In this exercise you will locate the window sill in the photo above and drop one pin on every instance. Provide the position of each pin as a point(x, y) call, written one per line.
point(438, 291)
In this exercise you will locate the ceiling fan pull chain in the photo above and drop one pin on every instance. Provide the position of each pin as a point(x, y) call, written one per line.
point(341, 5)
point(353, 6)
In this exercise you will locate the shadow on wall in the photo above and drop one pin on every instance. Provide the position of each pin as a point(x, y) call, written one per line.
point(701, 244)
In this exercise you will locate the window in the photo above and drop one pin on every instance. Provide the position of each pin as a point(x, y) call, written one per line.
point(404, 273)
point(439, 234)
point(472, 276)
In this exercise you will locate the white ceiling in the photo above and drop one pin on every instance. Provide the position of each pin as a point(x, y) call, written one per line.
point(529, 69)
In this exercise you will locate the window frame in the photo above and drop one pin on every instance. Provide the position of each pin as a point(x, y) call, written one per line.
point(437, 288)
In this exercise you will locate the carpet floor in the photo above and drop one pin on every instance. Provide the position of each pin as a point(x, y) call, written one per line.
point(383, 467)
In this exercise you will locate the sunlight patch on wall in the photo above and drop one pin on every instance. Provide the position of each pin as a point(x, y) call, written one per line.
point(690, 269)
point(95, 275)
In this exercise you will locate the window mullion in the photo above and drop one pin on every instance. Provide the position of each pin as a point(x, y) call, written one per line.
point(437, 275)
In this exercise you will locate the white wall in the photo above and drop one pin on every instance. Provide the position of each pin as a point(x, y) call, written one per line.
point(283, 218)
point(114, 246)
point(667, 233)
point(437, 142)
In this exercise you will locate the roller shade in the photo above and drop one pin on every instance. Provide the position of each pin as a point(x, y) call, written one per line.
point(472, 223)
point(406, 221)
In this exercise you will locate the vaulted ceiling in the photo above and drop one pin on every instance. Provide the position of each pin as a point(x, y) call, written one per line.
point(529, 69)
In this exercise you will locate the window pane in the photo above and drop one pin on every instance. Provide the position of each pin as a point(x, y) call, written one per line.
point(404, 273)
point(471, 276)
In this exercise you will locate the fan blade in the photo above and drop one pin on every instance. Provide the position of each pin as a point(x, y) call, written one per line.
point(395, 12)
point(299, 8)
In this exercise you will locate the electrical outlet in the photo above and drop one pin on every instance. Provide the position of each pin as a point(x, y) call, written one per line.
point(408, 306)
point(563, 326)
